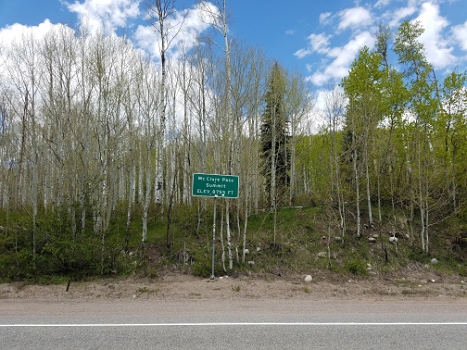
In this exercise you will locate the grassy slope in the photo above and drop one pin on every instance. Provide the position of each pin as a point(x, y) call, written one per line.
point(305, 235)
point(306, 242)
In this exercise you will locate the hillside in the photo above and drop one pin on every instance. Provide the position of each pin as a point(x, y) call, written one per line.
point(305, 243)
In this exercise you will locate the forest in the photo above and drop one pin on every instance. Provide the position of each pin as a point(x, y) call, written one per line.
point(99, 144)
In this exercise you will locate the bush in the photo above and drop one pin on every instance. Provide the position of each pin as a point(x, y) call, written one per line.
point(356, 267)
point(462, 270)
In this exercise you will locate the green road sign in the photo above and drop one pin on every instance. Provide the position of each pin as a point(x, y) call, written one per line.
point(212, 185)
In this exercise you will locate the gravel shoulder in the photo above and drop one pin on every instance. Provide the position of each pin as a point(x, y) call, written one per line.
point(413, 283)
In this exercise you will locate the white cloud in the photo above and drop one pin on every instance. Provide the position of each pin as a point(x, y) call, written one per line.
point(342, 59)
point(105, 14)
point(460, 35)
point(382, 3)
point(317, 43)
point(325, 18)
point(399, 14)
point(355, 17)
point(14, 33)
point(437, 49)
point(190, 23)
point(331, 103)
point(18, 36)
point(303, 53)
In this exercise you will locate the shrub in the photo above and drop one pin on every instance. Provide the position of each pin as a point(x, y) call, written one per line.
point(356, 267)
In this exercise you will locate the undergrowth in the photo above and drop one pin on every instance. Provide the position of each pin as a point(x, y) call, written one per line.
point(305, 239)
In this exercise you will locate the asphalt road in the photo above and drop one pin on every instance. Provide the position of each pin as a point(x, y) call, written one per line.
point(236, 324)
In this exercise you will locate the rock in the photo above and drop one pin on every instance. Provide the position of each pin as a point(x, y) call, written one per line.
point(434, 261)
point(184, 256)
point(258, 249)
point(308, 278)
point(251, 263)
point(393, 240)
point(322, 255)
point(246, 251)
point(372, 240)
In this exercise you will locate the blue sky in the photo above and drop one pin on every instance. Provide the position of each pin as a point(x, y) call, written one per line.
point(317, 38)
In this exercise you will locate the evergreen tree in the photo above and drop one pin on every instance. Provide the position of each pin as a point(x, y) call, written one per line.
point(275, 138)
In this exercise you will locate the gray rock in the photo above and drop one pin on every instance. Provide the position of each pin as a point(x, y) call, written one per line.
point(322, 255)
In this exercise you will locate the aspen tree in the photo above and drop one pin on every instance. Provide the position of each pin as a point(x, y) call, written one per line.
point(363, 88)
point(24, 75)
point(218, 19)
point(451, 122)
point(423, 104)
point(334, 108)
point(161, 12)
point(275, 141)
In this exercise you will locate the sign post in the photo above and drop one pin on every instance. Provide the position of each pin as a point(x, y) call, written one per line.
point(214, 185)
point(213, 240)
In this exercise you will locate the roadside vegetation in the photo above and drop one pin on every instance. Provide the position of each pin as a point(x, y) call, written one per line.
point(98, 145)
point(303, 245)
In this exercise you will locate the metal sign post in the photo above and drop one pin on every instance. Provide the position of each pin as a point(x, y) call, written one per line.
point(213, 239)
point(214, 185)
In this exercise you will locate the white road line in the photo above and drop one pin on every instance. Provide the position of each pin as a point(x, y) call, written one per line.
point(224, 324)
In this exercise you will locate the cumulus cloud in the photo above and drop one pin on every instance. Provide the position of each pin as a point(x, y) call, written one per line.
point(19, 36)
point(107, 15)
point(442, 43)
point(438, 51)
point(399, 14)
point(187, 26)
point(303, 53)
point(317, 43)
point(342, 58)
point(15, 32)
point(354, 17)
point(325, 18)
point(459, 35)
